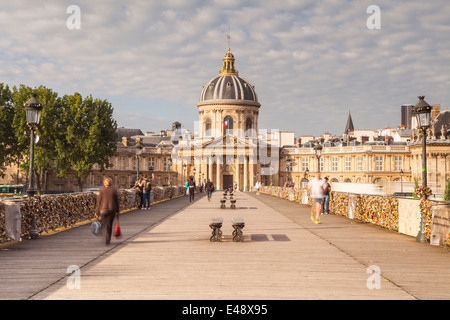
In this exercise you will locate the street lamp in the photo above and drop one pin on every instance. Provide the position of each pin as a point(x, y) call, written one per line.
point(401, 180)
point(169, 163)
point(422, 111)
point(139, 146)
point(33, 109)
point(289, 163)
point(305, 178)
point(318, 152)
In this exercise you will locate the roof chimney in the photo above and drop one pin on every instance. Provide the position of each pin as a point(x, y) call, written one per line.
point(125, 141)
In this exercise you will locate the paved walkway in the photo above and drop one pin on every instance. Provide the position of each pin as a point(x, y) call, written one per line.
point(165, 253)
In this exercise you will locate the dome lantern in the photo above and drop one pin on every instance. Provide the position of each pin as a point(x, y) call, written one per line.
point(228, 64)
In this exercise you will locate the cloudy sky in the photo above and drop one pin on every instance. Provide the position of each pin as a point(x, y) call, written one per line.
point(311, 62)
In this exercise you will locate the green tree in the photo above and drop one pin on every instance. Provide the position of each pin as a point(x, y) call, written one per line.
point(7, 138)
point(89, 137)
point(48, 130)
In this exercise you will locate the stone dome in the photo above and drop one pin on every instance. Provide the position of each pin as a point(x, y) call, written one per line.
point(229, 86)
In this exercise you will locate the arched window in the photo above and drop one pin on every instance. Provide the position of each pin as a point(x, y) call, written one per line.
point(248, 124)
point(207, 127)
point(228, 125)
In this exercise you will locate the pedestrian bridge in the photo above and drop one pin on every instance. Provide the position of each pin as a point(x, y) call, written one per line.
point(166, 253)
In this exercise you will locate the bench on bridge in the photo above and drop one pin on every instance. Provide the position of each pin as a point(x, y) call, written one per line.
point(238, 224)
point(224, 200)
point(215, 224)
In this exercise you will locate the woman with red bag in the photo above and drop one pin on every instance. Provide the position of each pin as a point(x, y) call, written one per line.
point(107, 207)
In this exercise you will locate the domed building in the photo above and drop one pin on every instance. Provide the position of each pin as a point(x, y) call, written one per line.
point(228, 104)
point(226, 147)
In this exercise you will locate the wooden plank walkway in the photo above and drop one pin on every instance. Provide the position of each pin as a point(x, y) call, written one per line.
point(166, 254)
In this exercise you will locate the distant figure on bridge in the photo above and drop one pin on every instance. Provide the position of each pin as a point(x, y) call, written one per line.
point(107, 207)
point(209, 187)
point(326, 197)
point(147, 189)
point(191, 189)
point(316, 188)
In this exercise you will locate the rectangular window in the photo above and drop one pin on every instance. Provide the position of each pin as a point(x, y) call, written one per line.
point(348, 163)
point(360, 163)
point(379, 163)
point(321, 164)
point(122, 163)
point(334, 164)
point(151, 163)
point(398, 163)
point(305, 164)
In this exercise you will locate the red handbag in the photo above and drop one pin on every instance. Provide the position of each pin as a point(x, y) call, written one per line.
point(117, 232)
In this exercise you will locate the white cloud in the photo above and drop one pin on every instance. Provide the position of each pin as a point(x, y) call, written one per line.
point(311, 61)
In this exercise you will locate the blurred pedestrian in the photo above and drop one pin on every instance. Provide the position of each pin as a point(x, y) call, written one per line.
point(316, 188)
point(209, 187)
point(107, 207)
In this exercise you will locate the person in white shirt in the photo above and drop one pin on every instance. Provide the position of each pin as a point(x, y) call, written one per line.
point(317, 188)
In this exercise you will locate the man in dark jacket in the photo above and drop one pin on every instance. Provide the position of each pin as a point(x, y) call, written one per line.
point(107, 207)
point(191, 186)
point(209, 187)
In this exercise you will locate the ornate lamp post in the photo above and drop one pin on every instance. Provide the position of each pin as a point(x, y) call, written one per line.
point(169, 163)
point(401, 180)
point(318, 152)
point(139, 146)
point(422, 111)
point(33, 109)
point(305, 179)
point(289, 163)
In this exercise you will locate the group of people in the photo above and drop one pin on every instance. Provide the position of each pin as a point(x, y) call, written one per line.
point(144, 187)
point(320, 195)
point(108, 200)
point(191, 187)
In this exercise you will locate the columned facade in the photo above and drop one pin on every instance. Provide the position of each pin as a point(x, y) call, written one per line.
point(228, 114)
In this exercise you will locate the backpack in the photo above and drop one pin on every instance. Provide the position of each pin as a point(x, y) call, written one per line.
point(148, 185)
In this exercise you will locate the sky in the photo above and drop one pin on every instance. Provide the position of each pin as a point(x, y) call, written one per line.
point(311, 62)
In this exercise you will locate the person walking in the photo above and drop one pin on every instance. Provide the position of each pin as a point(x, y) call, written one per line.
point(317, 189)
point(209, 187)
point(257, 187)
point(326, 198)
point(107, 207)
point(191, 189)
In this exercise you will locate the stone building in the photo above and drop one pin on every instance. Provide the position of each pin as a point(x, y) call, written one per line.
point(228, 147)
